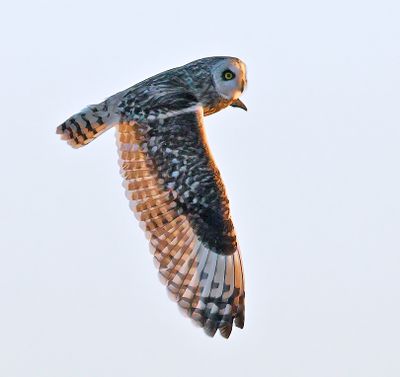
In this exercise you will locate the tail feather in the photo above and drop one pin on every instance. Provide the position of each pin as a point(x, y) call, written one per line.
point(83, 127)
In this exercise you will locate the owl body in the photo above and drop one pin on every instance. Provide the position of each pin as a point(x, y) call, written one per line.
point(173, 184)
point(175, 89)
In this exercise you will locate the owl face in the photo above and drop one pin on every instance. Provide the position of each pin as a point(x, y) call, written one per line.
point(229, 76)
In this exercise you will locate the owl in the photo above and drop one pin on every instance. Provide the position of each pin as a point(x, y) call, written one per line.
point(173, 184)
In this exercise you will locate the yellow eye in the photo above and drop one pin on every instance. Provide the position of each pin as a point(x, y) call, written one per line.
point(228, 75)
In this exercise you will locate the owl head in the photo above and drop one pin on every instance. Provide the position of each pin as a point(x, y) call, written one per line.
point(218, 82)
point(229, 76)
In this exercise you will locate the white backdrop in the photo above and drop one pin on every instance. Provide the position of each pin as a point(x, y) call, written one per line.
point(312, 173)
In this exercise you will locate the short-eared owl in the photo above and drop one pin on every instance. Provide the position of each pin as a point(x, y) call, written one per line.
point(173, 184)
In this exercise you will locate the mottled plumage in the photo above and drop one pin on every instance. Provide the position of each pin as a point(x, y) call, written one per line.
point(173, 184)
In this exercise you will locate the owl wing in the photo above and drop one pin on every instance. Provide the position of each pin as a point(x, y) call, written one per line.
point(177, 194)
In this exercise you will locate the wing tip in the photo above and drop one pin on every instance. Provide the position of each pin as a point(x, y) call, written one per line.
point(225, 330)
point(239, 319)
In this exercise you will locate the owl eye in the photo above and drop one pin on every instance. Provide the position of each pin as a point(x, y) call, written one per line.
point(228, 75)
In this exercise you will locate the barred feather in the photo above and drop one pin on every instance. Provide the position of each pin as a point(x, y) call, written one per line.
point(83, 127)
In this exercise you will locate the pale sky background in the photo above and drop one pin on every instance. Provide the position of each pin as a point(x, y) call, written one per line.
point(312, 173)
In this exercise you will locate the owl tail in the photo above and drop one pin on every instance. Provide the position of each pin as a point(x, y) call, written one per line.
point(80, 129)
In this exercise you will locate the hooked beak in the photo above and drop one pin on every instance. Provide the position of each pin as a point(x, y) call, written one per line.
point(239, 103)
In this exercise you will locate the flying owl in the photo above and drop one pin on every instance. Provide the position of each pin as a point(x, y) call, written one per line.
point(173, 185)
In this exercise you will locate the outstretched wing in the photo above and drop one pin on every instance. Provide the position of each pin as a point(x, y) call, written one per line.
point(177, 193)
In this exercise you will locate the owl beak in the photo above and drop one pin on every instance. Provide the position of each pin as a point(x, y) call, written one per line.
point(239, 103)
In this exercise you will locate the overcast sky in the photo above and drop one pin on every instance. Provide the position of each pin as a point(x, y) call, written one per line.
point(311, 170)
